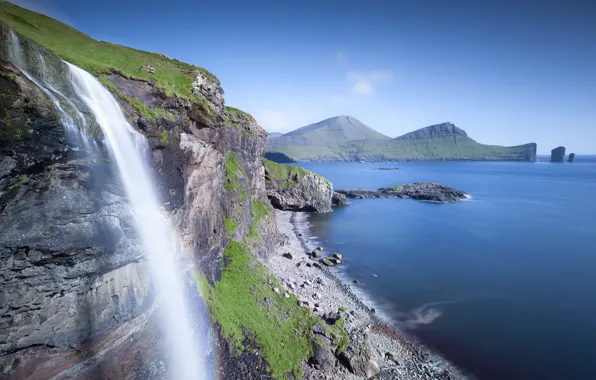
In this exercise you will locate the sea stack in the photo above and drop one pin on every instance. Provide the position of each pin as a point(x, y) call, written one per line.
point(557, 154)
point(571, 157)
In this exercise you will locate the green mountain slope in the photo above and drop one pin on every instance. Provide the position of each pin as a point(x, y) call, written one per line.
point(437, 142)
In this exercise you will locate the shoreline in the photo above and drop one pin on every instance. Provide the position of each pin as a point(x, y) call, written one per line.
point(398, 355)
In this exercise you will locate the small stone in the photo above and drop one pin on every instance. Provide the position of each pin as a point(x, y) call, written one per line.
point(288, 255)
point(316, 296)
point(338, 256)
point(315, 254)
point(286, 295)
point(309, 265)
point(317, 265)
point(276, 290)
point(320, 281)
point(299, 234)
point(356, 281)
point(393, 357)
point(319, 248)
point(372, 310)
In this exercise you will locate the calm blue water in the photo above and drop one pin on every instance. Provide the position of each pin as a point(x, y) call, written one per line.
point(503, 285)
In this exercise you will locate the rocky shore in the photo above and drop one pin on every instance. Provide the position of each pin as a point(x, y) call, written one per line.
point(376, 349)
point(422, 191)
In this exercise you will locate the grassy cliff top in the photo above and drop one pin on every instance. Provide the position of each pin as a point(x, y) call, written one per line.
point(98, 57)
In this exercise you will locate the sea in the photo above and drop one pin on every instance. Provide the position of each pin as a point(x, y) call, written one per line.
point(503, 284)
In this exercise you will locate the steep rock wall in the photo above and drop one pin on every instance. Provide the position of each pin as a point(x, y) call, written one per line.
point(70, 258)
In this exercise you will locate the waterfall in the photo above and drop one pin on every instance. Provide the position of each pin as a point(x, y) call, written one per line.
point(126, 146)
point(160, 245)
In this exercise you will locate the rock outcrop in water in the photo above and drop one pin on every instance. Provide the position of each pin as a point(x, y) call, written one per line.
point(557, 154)
point(339, 199)
point(571, 157)
point(293, 188)
point(422, 191)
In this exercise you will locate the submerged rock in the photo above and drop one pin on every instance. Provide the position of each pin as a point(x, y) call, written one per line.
point(423, 191)
point(557, 154)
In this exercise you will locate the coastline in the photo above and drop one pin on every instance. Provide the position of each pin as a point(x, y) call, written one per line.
point(397, 354)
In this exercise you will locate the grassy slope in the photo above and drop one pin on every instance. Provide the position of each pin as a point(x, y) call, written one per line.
point(99, 58)
point(286, 175)
point(243, 300)
point(460, 148)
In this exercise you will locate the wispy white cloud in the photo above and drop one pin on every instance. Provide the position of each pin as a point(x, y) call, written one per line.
point(341, 56)
point(363, 84)
point(273, 121)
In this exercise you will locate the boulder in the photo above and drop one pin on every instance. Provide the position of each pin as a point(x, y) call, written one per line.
point(319, 248)
point(327, 261)
point(317, 265)
point(323, 358)
point(557, 154)
point(288, 255)
point(338, 256)
point(360, 357)
point(571, 157)
point(316, 254)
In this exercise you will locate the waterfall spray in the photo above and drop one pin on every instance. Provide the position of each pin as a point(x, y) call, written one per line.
point(160, 246)
point(128, 148)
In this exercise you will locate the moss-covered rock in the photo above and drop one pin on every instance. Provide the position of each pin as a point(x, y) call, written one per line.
point(297, 189)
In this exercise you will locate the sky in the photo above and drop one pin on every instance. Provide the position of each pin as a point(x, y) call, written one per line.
point(508, 72)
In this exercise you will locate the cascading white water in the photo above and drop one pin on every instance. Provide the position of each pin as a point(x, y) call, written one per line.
point(128, 148)
point(160, 246)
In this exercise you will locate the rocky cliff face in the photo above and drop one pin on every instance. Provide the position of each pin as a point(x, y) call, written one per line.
point(295, 189)
point(557, 154)
point(71, 267)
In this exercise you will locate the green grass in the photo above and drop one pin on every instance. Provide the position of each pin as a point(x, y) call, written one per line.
point(240, 113)
point(284, 172)
point(243, 302)
point(163, 137)
point(232, 170)
point(395, 188)
point(149, 113)
point(230, 227)
point(98, 57)
point(258, 214)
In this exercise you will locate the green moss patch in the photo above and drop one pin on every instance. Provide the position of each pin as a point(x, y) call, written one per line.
point(287, 175)
point(243, 302)
point(259, 213)
point(230, 227)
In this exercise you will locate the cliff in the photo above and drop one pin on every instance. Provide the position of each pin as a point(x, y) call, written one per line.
point(557, 154)
point(296, 189)
point(76, 294)
point(336, 141)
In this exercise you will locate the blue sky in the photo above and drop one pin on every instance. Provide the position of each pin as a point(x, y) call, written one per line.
point(508, 72)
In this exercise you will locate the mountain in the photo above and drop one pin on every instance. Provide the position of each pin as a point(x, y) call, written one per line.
point(273, 135)
point(442, 141)
point(320, 141)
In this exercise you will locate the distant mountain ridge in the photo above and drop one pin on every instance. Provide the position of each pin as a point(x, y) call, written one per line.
point(344, 138)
